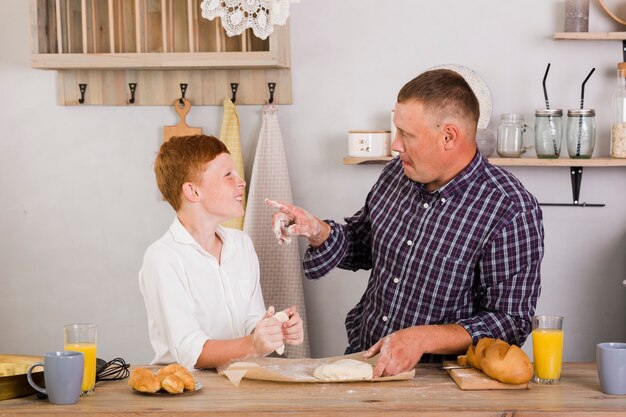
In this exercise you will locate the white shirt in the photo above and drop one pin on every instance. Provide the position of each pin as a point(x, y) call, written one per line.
point(191, 298)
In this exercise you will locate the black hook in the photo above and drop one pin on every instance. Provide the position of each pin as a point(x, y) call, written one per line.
point(183, 90)
point(272, 87)
point(82, 88)
point(233, 88)
point(133, 88)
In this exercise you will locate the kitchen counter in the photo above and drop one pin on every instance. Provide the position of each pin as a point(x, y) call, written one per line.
point(431, 393)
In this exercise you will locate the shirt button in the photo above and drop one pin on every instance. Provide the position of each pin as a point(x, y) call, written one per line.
point(385, 318)
point(409, 242)
point(425, 205)
point(396, 280)
point(443, 200)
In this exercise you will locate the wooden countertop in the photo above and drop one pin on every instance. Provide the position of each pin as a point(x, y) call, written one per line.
point(431, 393)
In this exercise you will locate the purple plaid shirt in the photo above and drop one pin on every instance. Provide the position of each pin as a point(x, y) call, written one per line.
point(468, 253)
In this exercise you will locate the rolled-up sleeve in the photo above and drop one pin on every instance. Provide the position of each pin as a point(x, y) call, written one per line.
point(509, 281)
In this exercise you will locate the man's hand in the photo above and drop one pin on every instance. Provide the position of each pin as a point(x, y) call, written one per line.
point(291, 220)
point(401, 351)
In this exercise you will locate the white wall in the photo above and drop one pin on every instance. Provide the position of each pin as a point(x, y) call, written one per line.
point(79, 204)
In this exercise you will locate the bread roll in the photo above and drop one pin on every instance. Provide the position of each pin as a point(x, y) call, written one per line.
point(143, 380)
point(500, 361)
point(173, 384)
point(172, 378)
point(171, 369)
point(187, 379)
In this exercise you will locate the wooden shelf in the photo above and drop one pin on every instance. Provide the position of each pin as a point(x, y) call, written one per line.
point(102, 47)
point(170, 60)
point(591, 36)
point(560, 162)
point(354, 160)
point(519, 162)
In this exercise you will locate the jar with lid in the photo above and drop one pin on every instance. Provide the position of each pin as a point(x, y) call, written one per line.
point(581, 133)
point(618, 129)
point(548, 132)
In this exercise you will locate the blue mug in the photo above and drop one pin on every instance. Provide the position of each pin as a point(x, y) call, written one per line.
point(63, 375)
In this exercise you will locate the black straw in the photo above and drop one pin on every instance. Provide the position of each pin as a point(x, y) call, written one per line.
point(580, 118)
point(582, 89)
point(545, 91)
point(550, 121)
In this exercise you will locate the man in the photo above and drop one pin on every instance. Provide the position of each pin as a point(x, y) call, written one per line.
point(454, 243)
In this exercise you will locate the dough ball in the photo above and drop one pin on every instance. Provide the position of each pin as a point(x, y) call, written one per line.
point(344, 369)
point(282, 317)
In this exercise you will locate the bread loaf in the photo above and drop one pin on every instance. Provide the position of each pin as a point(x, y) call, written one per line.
point(500, 361)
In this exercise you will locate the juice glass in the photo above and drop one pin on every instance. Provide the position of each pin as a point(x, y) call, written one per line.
point(547, 348)
point(82, 338)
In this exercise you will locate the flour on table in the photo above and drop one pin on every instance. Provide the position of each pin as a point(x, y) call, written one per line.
point(282, 317)
point(344, 369)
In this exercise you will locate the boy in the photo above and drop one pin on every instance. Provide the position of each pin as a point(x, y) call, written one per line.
point(200, 281)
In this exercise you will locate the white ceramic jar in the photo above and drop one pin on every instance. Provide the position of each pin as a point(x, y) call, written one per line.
point(368, 143)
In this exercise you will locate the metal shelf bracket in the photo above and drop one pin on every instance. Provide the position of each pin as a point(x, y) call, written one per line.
point(576, 175)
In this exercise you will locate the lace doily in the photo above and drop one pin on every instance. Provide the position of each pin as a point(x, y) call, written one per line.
point(239, 15)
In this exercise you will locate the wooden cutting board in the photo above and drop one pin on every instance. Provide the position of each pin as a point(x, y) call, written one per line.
point(181, 129)
point(473, 379)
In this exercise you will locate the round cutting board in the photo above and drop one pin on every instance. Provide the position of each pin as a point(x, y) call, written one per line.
point(480, 89)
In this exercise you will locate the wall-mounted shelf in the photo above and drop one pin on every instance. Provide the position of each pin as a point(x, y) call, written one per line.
point(591, 36)
point(575, 168)
point(155, 45)
point(594, 36)
point(518, 162)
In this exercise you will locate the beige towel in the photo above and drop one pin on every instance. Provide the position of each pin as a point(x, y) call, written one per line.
point(281, 271)
point(230, 136)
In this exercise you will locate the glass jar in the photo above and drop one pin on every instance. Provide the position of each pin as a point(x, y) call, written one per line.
point(618, 129)
point(581, 133)
point(548, 132)
point(511, 135)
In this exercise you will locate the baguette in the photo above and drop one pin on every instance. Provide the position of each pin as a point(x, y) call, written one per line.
point(500, 361)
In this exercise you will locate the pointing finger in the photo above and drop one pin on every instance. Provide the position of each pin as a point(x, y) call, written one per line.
point(285, 208)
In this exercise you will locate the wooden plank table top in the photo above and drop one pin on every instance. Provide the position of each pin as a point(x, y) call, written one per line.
point(431, 393)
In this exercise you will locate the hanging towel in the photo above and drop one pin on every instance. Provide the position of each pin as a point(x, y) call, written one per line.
point(281, 272)
point(230, 136)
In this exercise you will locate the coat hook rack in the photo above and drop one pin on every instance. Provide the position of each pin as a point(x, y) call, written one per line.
point(576, 174)
point(133, 88)
point(272, 88)
point(233, 89)
point(183, 90)
point(83, 89)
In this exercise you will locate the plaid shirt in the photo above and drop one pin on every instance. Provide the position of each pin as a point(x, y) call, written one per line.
point(468, 253)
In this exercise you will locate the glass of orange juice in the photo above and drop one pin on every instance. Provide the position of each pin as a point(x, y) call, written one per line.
point(82, 338)
point(547, 348)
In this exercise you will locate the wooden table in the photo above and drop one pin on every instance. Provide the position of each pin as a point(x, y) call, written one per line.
point(431, 393)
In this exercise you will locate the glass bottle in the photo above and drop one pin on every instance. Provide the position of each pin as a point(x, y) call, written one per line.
point(581, 133)
point(618, 129)
point(548, 132)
